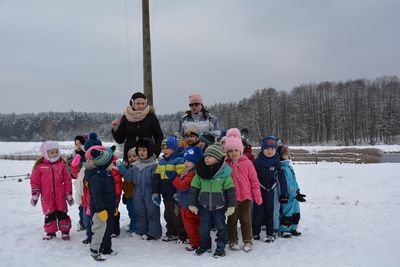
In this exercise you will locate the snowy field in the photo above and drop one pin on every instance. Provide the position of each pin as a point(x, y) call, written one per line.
point(351, 218)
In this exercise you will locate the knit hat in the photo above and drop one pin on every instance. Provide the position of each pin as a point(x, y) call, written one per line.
point(196, 99)
point(216, 151)
point(193, 154)
point(81, 138)
point(49, 145)
point(171, 143)
point(102, 158)
point(138, 95)
point(222, 134)
point(207, 138)
point(269, 141)
point(233, 140)
point(191, 130)
point(147, 143)
point(92, 141)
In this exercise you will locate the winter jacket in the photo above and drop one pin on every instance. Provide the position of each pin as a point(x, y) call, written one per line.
point(271, 177)
point(203, 123)
point(166, 170)
point(102, 190)
point(130, 132)
point(215, 193)
point(182, 184)
point(292, 186)
point(118, 182)
point(53, 183)
point(248, 151)
point(245, 178)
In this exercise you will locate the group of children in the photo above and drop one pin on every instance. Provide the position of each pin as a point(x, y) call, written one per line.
point(203, 185)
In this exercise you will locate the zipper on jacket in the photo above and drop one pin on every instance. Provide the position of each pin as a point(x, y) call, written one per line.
point(54, 186)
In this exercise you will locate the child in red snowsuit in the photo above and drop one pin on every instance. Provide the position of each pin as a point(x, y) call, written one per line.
point(191, 221)
point(50, 181)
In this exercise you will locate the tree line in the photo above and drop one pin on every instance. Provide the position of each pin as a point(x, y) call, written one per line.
point(343, 113)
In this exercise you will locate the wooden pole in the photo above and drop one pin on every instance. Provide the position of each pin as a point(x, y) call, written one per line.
point(147, 76)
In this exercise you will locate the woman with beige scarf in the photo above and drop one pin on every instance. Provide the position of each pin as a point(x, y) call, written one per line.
point(138, 121)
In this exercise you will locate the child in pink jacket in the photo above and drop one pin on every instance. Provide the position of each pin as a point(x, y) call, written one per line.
point(247, 189)
point(50, 181)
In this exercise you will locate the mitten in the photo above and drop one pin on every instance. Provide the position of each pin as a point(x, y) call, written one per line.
point(258, 200)
point(34, 200)
point(300, 197)
point(283, 199)
point(75, 162)
point(193, 209)
point(286, 221)
point(156, 199)
point(116, 212)
point(88, 211)
point(121, 166)
point(103, 215)
point(229, 211)
point(70, 200)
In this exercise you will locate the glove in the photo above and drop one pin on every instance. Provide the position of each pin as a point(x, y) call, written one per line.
point(156, 199)
point(229, 211)
point(300, 197)
point(75, 162)
point(286, 221)
point(103, 215)
point(88, 211)
point(121, 166)
point(194, 209)
point(175, 197)
point(34, 200)
point(116, 212)
point(70, 200)
point(258, 200)
point(115, 124)
point(283, 199)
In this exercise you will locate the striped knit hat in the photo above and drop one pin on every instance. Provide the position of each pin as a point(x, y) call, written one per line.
point(216, 151)
point(102, 159)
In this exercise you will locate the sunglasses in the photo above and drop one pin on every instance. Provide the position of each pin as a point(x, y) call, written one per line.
point(194, 105)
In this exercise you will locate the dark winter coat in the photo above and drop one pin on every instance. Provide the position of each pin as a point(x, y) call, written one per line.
point(271, 177)
point(130, 132)
point(102, 190)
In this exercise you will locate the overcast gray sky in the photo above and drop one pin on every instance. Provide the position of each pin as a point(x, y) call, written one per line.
point(62, 55)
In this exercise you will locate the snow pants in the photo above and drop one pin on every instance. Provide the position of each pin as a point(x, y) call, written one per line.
point(58, 220)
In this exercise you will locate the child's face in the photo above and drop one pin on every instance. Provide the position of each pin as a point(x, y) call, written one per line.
point(209, 160)
point(78, 145)
point(132, 157)
point(202, 144)
point(269, 152)
point(143, 153)
point(167, 152)
point(189, 165)
point(234, 154)
point(52, 153)
point(191, 139)
point(285, 156)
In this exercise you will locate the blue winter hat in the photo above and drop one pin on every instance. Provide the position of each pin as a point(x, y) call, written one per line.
point(102, 159)
point(170, 143)
point(269, 141)
point(92, 141)
point(193, 154)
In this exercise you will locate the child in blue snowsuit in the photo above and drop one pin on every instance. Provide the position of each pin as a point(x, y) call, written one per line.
point(141, 173)
point(270, 175)
point(290, 212)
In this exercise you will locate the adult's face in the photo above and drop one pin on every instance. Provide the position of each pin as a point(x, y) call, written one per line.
point(139, 104)
point(195, 108)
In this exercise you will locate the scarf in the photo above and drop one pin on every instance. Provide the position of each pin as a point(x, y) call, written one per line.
point(208, 172)
point(268, 162)
point(141, 164)
point(135, 116)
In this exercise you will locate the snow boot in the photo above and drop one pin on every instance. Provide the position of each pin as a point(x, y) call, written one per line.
point(49, 236)
point(234, 246)
point(247, 247)
point(285, 234)
point(269, 239)
point(219, 253)
point(65, 236)
point(201, 251)
point(169, 238)
point(87, 241)
point(295, 233)
point(97, 256)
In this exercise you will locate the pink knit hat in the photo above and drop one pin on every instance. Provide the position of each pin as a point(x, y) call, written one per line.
point(233, 140)
point(196, 99)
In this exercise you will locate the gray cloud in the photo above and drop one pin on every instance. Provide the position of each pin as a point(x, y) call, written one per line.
point(73, 55)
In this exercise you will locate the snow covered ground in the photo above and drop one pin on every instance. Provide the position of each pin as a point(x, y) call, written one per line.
point(351, 218)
